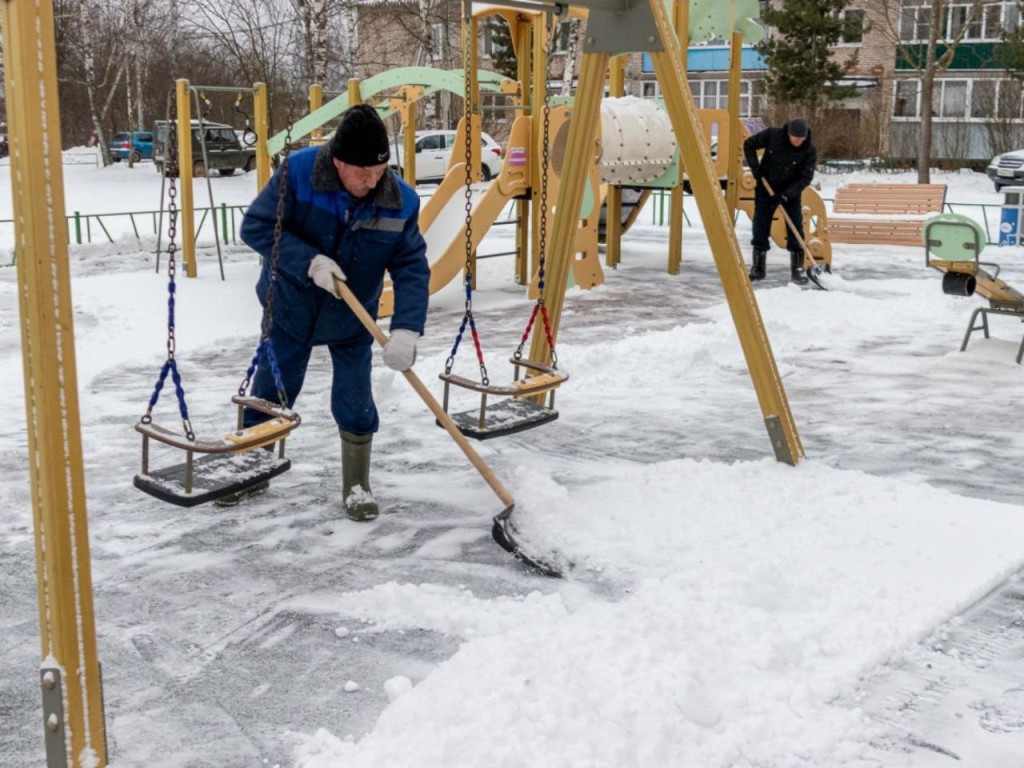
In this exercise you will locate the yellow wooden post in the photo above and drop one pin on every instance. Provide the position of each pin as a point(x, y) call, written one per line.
point(681, 22)
point(473, 111)
point(261, 118)
point(316, 100)
point(354, 96)
point(538, 98)
point(613, 200)
point(578, 160)
point(74, 730)
point(404, 103)
point(522, 36)
point(724, 246)
point(186, 200)
point(733, 144)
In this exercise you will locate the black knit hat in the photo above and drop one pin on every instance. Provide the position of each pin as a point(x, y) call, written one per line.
point(361, 139)
point(798, 128)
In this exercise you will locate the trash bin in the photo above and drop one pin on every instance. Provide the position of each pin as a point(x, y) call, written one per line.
point(1012, 216)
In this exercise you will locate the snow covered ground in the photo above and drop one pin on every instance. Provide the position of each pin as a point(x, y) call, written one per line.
point(719, 610)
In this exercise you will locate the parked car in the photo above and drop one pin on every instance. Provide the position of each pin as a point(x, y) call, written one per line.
point(138, 145)
point(434, 151)
point(224, 152)
point(1007, 169)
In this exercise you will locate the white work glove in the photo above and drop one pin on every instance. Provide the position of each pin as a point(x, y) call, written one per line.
point(400, 352)
point(322, 271)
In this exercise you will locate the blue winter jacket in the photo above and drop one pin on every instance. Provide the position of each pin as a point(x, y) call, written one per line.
point(366, 237)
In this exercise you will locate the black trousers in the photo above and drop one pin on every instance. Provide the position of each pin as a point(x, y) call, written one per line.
point(764, 210)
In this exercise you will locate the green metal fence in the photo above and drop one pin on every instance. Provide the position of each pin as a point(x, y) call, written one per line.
point(92, 227)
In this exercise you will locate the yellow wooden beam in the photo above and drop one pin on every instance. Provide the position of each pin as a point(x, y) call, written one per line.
point(613, 200)
point(725, 247)
point(681, 25)
point(578, 162)
point(261, 121)
point(63, 567)
point(733, 136)
point(186, 200)
point(316, 100)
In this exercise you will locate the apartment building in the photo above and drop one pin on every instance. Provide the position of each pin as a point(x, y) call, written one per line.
point(976, 106)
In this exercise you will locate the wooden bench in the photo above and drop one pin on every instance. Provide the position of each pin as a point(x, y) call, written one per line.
point(953, 245)
point(870, 202)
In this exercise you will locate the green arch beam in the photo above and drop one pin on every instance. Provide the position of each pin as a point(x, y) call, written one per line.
point(431, 80)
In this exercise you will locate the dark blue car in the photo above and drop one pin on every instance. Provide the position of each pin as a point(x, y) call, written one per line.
point(137, 144)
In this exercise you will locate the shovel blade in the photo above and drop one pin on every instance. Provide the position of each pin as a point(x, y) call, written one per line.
point(504, 533)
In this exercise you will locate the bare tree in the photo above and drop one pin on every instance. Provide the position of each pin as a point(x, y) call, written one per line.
point(314, 16)
point(252, 37)
point(573, 38)
point(424, 32)
point(942, 27)
point(94, 85)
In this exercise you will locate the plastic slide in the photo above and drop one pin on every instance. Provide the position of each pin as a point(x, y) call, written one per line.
point(443, 218)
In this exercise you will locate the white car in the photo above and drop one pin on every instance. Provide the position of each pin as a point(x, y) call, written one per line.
point(434, 151)
point(1007, 169)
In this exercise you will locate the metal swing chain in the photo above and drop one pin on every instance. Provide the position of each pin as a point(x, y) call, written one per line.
point(542, 239)
point(266, 346)
point(171, 364)
point(467, 318)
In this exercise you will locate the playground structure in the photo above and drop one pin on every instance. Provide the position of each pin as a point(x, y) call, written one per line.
point(953, 245)
point(74, 727)
point(183, 95)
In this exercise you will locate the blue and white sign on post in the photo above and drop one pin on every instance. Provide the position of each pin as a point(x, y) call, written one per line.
point(1012, 216)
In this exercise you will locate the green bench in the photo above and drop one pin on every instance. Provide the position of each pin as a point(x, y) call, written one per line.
point(953, 245)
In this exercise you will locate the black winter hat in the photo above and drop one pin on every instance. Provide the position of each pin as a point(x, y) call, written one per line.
point(361, 139)
point(798, 128)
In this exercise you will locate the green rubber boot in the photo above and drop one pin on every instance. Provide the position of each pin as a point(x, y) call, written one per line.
point(355, 477)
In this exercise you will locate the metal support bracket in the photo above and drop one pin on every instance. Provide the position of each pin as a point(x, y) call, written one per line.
point(621, 31)
point(778, 438)
point(53, 718)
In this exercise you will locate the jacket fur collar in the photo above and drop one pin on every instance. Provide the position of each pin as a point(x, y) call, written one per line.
point(387, 193)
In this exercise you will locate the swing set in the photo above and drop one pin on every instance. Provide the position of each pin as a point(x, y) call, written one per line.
point(529, 401)
point(231, 465)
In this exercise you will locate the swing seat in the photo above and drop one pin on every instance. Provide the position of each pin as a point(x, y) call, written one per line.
point(227, 466)
point(212, 477)
point(514, 413)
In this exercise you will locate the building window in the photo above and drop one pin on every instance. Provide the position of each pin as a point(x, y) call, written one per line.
point(1010, 100)
point(562, 37)
point(714, 94)
point(853, 30)
point(493, 106)
point(951, 98)
point(955, 99)
point(983, 98)
point(988, 23)
point(492, 48)
point(914, 22)
point(906, 99)
point(650, 89)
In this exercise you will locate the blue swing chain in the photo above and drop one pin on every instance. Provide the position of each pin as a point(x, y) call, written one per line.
point(266, 346)
point(467, 317)
point(171, 365)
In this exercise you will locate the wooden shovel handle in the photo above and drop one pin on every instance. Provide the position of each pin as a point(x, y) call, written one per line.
point(443, 418)
point(789, 222)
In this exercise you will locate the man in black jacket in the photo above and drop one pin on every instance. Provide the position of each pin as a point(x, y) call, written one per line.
point(787, 164)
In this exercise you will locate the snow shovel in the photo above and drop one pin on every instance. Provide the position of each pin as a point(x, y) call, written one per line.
point(502, 531)
point(815, 271)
